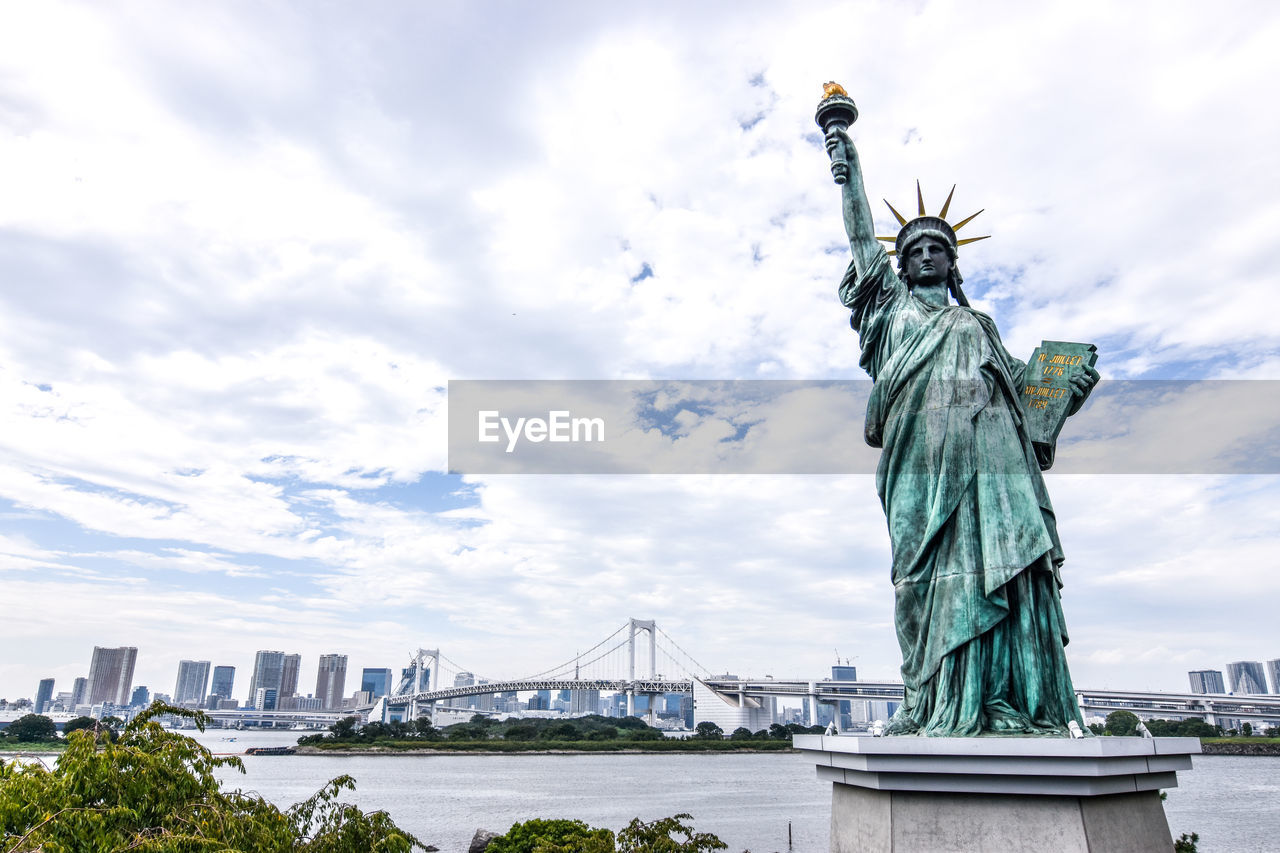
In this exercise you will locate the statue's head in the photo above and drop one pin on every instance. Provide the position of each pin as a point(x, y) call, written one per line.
point(941, 235)
point(926, 250)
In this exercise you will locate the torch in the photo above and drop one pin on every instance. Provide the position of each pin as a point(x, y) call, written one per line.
point(836, 110)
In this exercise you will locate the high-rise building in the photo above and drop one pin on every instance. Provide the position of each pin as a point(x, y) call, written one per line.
point(375, 681)
point(1247, 676)
point(1206, 681)
point(111, 675)
point(584, 702)
point(193, 682)
point(141, 697)
point(224, 679)
point(268, 673)
point(44, 694)
point(844, 707)
point(331, 680)
point(79, 690)
point(265, 699)
point(1273, 670)
point(289, 675)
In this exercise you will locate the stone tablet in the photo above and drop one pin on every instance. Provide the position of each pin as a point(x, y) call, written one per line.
point(1046, 387)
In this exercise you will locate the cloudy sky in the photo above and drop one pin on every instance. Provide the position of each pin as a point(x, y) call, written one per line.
point(245, 247)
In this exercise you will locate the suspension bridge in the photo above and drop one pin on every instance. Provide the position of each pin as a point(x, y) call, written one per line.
point(639, 659)
point(620, 663)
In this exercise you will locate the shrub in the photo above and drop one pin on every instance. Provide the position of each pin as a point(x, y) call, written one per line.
point(154, 791)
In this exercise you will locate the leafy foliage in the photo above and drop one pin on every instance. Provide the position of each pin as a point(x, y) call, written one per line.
point(664, 835)
point(552, 836)
point(708, 731)
point(1186, 843)
point(1122, 724)
point(32, 728)
point(155, 791)
point(1191, 727)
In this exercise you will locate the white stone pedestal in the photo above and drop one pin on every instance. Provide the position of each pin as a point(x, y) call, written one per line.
point(1013, 795)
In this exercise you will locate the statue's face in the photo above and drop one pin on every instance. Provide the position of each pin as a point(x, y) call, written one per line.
point(927, 261)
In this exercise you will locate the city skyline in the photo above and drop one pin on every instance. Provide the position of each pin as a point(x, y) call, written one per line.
point(1209, 681)
point(244, 253)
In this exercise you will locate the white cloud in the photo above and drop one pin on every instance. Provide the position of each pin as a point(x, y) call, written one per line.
point(245, 249)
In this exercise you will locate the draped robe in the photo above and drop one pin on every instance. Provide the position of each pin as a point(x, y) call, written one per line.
point(975, 543)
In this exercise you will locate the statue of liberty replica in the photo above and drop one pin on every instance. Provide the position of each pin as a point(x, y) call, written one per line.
point(965, 429)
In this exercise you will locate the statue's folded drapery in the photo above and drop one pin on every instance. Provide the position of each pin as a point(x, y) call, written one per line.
point(975, 545)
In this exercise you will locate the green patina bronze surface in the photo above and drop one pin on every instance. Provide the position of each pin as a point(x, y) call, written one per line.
point(976, 554)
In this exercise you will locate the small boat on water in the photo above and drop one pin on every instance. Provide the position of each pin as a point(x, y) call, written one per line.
point(270, 750)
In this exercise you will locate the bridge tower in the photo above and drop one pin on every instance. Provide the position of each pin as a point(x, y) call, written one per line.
point(426, 678)
point(650, 626)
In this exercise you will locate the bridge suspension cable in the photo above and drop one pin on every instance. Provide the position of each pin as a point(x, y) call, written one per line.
point(576, 660)
point(700, 668)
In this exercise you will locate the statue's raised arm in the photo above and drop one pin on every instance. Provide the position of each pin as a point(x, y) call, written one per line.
point(836, 113)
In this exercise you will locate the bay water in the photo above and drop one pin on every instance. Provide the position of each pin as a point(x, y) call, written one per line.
point(750, 800)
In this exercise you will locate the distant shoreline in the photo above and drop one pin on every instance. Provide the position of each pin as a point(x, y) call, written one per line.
point(428, 750)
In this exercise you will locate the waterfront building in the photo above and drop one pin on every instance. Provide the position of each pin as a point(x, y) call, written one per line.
point(1273, 670)
point(79, 689)
point(376, 681)
point(728, 711)
point(110, 675)
point(1206, 681)
point(265, 699)
point(224, 679)
point(275, 671)
point(44, 695)
point(192, 683)
point(289, 675)
point(331, 680)
point(483, 702)
point(1248, 677)
point(141, 697)
point(845, 714)
point(268, 667)
point(583, 702)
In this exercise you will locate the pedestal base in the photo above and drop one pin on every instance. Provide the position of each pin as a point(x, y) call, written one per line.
point(1014, 795)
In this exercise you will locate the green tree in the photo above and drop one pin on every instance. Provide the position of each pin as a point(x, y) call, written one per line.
point(75, 724)
point(740, 733)
point(552, 836)
point(666, 835)
point(708, 731)
point(1246, 729)
point(647, 733)
point(155, 791)
point(345, 729)
point(1122, 724)
point(521, 733)
point(32, 728)
point(779, 732)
